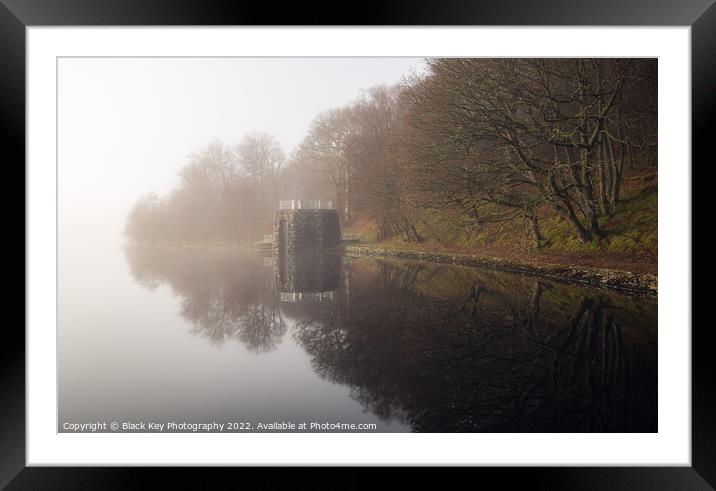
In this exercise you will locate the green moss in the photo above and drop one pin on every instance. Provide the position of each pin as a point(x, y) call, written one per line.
point(632, 228)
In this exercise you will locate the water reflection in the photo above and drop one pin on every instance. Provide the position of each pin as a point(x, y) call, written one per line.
point(308, 277)
point(224, 296)
point(439, 348)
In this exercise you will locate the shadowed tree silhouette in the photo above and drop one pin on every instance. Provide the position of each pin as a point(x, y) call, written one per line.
point(491, 359)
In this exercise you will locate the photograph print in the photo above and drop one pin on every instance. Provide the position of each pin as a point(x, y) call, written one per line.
point(357, 245)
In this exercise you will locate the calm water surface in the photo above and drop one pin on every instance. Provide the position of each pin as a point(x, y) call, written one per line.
point(197, 335)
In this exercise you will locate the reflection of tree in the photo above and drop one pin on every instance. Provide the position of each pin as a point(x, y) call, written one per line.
point(402, 279)
point(226, 296)
point(259, 327)
point(440, 348)
point(491, 359)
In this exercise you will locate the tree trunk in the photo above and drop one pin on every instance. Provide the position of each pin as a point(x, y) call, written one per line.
point(592, 213)
point(411, 233)
point(615, 176)
point(618, 163)
point(346, 204)
point(603, 178)
point(535, 233)
point(564, 207)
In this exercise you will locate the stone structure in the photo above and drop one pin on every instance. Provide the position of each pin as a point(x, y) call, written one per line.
point(305, 231)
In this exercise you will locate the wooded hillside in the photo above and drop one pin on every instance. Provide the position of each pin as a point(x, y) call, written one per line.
point(524, 154)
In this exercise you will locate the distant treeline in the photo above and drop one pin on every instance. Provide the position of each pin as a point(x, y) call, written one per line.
point(481, 142)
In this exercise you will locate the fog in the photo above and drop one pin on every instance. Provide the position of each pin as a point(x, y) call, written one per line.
point(125, 128)
point(127, 125)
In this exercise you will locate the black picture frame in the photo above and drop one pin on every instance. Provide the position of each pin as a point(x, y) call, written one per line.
point(16, 15)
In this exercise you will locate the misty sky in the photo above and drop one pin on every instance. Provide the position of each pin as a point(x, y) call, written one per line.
point(127, 125)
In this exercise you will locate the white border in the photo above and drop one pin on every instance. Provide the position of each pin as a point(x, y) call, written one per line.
point(671, 446)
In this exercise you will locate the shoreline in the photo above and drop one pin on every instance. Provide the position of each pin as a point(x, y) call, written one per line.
point(612, 279)
point(624, 281)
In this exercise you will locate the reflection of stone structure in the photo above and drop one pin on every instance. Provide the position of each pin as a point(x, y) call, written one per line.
point(314, 297)
point(305, 231)
point(302, 270)
point(305, 274)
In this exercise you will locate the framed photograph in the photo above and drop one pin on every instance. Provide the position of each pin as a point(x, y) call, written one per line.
point(455, 235)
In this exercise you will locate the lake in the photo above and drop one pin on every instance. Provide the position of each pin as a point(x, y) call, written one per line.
point(210, 335)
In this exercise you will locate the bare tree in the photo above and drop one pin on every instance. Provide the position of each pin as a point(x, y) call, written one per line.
point(511, 136)
point(383, 187)
point(325, 150)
